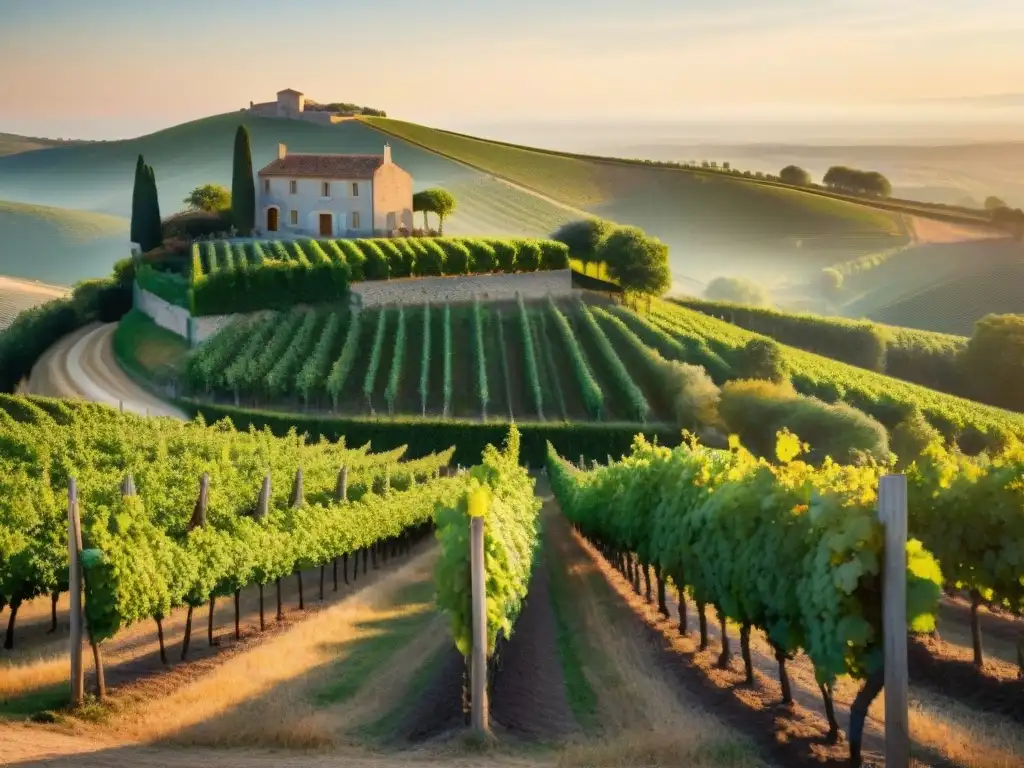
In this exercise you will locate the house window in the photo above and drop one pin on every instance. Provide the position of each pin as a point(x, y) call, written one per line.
point(266, 186)
point(355, 189)
point(293, 187)
point(294, 216)
point(326, 189)
point(355, 218)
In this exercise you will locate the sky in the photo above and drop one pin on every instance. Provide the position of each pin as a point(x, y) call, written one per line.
point(119, 68)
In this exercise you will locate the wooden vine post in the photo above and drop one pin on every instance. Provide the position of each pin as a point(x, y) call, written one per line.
point(75, 591)
point(892, 511)
point(479, 714)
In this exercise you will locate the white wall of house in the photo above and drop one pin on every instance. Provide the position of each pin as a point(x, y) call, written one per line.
point(392, 197)
point(309, 202)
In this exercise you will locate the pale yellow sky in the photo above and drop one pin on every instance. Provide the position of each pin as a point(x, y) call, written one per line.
point(109, 65)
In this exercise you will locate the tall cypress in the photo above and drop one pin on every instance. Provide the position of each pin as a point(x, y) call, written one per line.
point(243, 189)
point(150, 227)
point(137, 196)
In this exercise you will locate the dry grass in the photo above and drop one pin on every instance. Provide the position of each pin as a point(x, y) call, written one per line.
point(263, 698)
point(649, 721)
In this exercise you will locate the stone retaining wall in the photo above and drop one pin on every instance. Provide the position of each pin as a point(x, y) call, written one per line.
point(438, 290)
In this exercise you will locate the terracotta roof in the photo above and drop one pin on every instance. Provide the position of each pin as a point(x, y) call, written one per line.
point(325, 166)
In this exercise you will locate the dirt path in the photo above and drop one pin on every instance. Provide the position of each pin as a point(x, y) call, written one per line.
point(945, 732)
point(923, 230)
point(82, 365)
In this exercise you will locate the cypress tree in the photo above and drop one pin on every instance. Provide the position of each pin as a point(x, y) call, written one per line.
point(150, 225)
point(137, 194)
point(243, 190)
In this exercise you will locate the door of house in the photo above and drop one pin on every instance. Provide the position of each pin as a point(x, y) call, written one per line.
point(326, 225)
point(271, 219)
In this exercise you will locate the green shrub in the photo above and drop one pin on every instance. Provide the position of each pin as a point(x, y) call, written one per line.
point(355, 259)
point(910, 437)
point(505, 252)
point(760, 359)
point(483, 259)
point(376, 266)
point(431, 263)
point(553, 255)
point(457, 256)
point(527, 256)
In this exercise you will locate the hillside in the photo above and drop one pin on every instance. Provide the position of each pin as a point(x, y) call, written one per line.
point(941, 287)
point(714, 224)
point(17, 295)
point(59, 245)
point(11, 143)
point(98, 177)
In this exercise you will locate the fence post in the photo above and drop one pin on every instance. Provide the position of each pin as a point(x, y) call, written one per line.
point(75, 591)
point(892, 511)
point(479, 714)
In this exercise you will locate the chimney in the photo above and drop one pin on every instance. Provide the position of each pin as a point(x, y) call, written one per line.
point(387, 153)
point(282, 151)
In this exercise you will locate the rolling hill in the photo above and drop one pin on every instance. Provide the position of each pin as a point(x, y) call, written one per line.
point(98, 176)
point(59, 245)
point(18, 295)
point(941, 287)
point(714, 224)
point(11, 144)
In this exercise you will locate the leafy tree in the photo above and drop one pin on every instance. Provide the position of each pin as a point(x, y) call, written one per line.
point(1011, 220)
point(994, 360)
point(243, 189)
point(736, 290)
point(851, 180)
point(992, 202)
point(437, 201)
point(794, 174)
point(584, 238)
point(637, 262)
point(211, 198)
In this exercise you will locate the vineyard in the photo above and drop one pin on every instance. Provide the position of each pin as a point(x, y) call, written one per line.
point(528, 361)
point(712, 343)
point(228, 277)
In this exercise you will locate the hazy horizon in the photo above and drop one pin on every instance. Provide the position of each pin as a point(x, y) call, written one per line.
point(89, 71)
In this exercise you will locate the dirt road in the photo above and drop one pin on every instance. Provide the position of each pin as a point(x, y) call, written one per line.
point(924, 231)
point(82, 365)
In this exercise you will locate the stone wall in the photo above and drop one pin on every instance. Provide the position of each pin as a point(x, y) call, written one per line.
point(419, 290)
point(177, 319)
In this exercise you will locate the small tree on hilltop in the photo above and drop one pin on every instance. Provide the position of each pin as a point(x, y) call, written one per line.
point(243, 188)
point(584, 237)
point(211, 198)
point(992, 202)
point(795, 175)
point(638, 263)
point(421, 203)
point(762, 359)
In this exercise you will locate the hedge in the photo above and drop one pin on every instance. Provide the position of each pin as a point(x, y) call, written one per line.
point(922, 357)
point(595, 442)
point(169, 286)
point(314, 271)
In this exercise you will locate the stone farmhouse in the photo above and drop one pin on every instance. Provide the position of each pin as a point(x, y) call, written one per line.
point(291, 104)
point(333, 195)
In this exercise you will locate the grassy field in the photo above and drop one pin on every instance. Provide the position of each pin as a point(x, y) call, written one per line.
point(714, 224)
point(58, 245)
point(98, 177)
